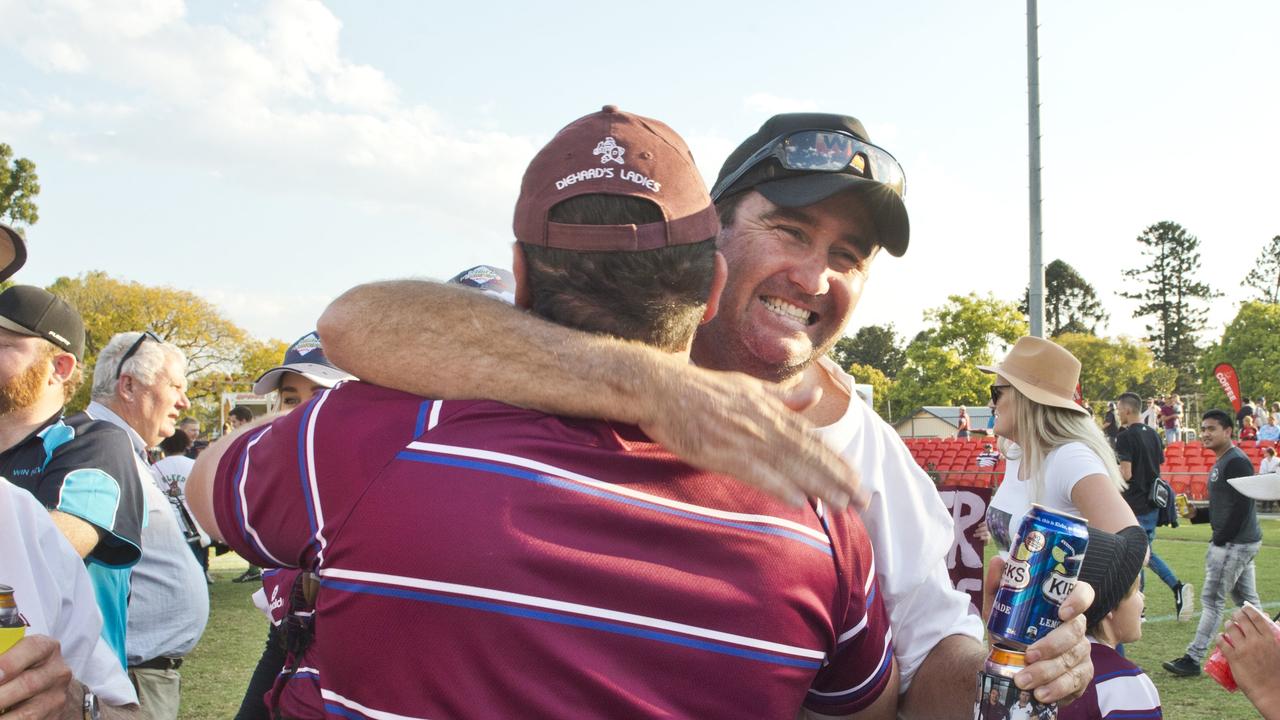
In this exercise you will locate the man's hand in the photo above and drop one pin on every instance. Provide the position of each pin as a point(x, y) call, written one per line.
point(1059, 666)
point(36, 683)
point(1253, 651)
point(739, 426)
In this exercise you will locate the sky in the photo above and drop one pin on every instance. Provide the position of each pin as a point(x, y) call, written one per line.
point(268, 155)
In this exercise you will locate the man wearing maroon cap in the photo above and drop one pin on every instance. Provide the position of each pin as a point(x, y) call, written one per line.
point(806, 204)
point(481, 560)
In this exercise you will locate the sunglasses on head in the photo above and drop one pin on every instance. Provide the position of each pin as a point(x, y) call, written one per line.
point(996, 392)
point(831, 151)
point(133, 349)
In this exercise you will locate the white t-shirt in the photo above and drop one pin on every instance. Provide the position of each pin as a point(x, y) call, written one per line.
point(1064, 466)
point(911, 534)
point(54, 594)
point(1269, 465)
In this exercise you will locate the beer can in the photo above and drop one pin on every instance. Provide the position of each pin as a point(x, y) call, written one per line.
point(1044, 562)
point(999, 697)
point(1180, 500)
point(12, 627)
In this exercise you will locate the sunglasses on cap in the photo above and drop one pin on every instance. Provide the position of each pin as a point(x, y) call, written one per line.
point(133, 349)
point(818, 151)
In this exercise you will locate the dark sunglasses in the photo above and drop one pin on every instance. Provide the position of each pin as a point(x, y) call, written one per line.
point(133, 349)
point(831, 151)
point(996, 392)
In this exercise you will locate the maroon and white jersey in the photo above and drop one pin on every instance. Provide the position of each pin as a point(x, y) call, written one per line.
point(296, 691)
point(481, 560)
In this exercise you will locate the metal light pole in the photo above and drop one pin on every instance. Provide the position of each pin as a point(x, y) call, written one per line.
point(1035, 295)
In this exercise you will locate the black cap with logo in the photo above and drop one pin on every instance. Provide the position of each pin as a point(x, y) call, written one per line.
point(29, 310)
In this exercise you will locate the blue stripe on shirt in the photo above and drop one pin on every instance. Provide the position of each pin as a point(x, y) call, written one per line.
point(606, 495)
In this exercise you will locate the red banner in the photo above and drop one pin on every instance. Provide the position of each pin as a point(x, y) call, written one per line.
point(968, 506)
point(1230, 383)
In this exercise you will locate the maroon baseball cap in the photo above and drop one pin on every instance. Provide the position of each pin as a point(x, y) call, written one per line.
point(615, 153)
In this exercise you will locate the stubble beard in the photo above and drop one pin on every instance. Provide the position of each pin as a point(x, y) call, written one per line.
point(23, 391)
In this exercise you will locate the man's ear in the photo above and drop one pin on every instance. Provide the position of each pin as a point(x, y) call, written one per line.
point(524, 297)
point(719, 278)
point(64, 364)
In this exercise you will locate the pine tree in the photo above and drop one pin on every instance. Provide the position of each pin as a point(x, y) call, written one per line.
point(1167, 288)
point(1264, 276)
point(1071, 304)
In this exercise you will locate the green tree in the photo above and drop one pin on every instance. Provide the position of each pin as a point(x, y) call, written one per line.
point(941, 362)
point(212, 343)
point(871, 375)
point(1264, 276)
point(1251, 343)
point(1109, 367)
point(877, 346)
point(1071, 304)
point(19, 187)
point(1166, 287)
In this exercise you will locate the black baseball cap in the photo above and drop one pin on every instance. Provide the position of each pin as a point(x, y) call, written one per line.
point(33, 311)
point(1110, 566)
point(13, 252)
point(798, 188)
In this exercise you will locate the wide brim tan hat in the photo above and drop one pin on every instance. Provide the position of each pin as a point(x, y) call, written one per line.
point(1043, 371)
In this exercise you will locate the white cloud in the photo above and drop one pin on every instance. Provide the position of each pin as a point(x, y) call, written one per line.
point(767, 104)
point(268, 97)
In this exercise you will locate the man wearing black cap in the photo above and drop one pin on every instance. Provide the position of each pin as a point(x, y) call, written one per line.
point(805, 204)
point(78, 468)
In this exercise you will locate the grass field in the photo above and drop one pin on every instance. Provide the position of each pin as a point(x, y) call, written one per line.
point(215, 674)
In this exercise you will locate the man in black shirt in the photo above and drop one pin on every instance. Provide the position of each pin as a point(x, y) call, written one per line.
point(1228, 566)
point(1140, 454)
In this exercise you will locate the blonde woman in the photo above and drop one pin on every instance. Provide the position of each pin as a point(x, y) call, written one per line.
point(1062, 459)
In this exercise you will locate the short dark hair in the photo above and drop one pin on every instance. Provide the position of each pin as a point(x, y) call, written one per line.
point(1131, 401)
point(1222, 417)
point(188, 420)
point(241, 413)
point(175, 444)
point(656, 297)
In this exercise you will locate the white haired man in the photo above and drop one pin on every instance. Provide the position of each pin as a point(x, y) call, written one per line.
point(139, 385)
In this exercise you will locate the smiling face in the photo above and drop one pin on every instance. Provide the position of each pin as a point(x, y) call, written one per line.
point(795, 276)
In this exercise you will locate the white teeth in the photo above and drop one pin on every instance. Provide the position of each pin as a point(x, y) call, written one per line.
point(786, 309)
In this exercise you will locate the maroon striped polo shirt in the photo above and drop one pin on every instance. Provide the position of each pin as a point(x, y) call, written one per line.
point(481, 560)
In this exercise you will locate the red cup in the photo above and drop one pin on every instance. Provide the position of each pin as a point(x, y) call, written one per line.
point(1219, 669)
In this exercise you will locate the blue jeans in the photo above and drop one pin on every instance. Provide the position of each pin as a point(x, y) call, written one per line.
point(1148, 523)
point(1227, 569)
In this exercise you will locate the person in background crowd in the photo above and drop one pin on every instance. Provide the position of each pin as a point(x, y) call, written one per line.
point(1065, 463)
point(799, 242)
point(1269, 462)
point(1269, 430)
point(62, 665)
point(239, 416)
point(1120, 689)
point(288, 596)
point(190, 427)
point(1140, 455)
point(139, 385)
point(962, 423)
point(1247, 430)
point(1171, 419)
point(988, 458)
point(1252, 649)
point(1110, 426)
point(81, 470)
point(1228, 564)
point(174, 467)
point(1151, 415)
point(609, 256)
point(1246, 411)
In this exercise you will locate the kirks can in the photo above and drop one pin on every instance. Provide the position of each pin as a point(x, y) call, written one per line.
point(1180, 500)
point(12, 627)
point(999, 697)
point(1043, 564)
